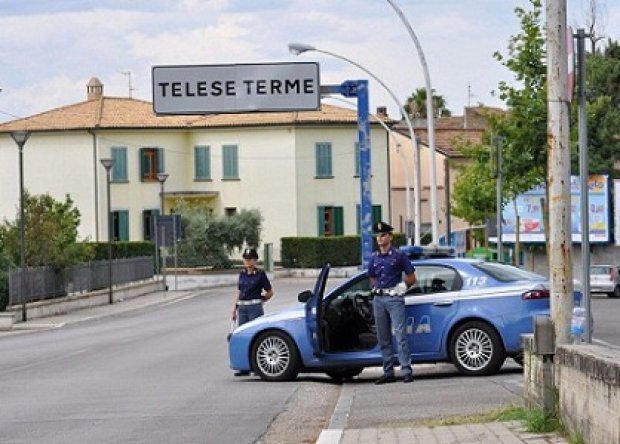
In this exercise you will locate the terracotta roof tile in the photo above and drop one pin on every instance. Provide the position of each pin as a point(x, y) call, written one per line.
point(125, 113)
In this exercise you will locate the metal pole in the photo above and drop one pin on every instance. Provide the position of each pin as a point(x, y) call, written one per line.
point(363, 127)
point(174, 239)
point(558, 180)
point(446, 185)
point(405, 173)
point(584, 175)
point(430, 120)
point(22, 234)
point(500, 246)
point(110, 235)
point(161, 193)
point(299, 48)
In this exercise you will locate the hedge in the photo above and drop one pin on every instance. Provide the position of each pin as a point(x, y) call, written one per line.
point(314, 252)
point(122, 250)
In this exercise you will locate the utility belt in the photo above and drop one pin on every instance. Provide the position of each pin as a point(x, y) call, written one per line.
point(250, 302)
point(392, 292)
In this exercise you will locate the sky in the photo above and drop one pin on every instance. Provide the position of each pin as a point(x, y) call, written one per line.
point(50, 49)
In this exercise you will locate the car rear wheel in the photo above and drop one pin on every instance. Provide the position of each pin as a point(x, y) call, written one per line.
point(347, 373)
point(616, 293)
point(275, 357)
point(476, 349)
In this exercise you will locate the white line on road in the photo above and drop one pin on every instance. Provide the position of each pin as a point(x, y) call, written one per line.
point(339, 418)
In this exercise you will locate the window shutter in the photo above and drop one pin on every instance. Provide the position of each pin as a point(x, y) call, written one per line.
point(123, 225)
point(199, 162)
point(338, 221)
point(119, 170)
point(376, 214)
point(356, 153)
point(161, 166)
point(143, 162)
point(321, 220)
point(358, 223)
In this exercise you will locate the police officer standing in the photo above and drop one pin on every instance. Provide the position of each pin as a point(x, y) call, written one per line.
point(385, 269)
point(250, 297)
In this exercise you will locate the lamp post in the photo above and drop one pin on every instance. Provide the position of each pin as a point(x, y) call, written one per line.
point(20, 138)
point(430, 120)
point(161, 177)
point(108, 164)
point(400, 154)
point(498, 141)
point(300, 48)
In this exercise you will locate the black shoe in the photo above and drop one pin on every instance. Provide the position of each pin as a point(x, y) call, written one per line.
point(241, 373)
point(385, 379)
point(407, 378)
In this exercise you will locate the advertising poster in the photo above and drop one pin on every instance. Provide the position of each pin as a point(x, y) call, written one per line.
point(617, 211)
point(530, 205)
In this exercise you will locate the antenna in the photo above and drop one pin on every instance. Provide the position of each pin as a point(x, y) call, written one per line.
point(131, 88)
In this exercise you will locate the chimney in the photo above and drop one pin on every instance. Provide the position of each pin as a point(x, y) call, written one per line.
point(94, 89)
point(382, 111)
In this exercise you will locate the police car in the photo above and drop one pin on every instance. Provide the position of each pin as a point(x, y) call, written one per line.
point(468, 312)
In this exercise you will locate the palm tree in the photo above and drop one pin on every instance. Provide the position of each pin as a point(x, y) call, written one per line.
point(416, 105)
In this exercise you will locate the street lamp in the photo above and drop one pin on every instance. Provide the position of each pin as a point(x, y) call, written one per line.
point(430, 120)
point(161, 177)
point(498, 141)
point(108, 164)
point(300, 48)
point(403, 160)
point(20, 138)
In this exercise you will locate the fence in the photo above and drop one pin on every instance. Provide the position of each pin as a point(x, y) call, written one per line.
point(45, 283)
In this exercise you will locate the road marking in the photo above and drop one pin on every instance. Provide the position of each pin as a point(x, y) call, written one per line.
point(339, 418)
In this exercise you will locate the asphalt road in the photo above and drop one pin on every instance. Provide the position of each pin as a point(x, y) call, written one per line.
point(160, 375)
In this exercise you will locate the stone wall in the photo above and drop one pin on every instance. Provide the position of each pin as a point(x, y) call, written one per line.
point(586, 379)
point(589, 391)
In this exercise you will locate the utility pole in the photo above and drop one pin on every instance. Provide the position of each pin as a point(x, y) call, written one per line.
point(558, 179)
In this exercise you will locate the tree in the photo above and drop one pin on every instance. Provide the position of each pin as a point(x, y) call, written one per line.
point(210, 240)
point(51, 230)
point(415, 105)
point(603, 112)
point(523, 127)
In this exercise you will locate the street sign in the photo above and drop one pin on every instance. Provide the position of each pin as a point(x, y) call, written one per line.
point(238, 88)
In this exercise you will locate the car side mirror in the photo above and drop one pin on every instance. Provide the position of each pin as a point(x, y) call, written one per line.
point(304, 296)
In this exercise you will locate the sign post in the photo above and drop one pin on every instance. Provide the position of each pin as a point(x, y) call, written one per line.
point(359, 89)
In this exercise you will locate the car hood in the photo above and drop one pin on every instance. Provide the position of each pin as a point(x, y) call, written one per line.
point(287, 314)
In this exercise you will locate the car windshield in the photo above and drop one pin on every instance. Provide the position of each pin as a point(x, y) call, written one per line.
point(507, 273)
point(599, 270)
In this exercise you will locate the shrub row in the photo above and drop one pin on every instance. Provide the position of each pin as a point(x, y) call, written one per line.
point(122, 250)
point(314, 252)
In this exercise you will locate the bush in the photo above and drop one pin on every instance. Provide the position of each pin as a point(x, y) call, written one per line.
point(4, 280)
point(314, 252)
point(122, 250)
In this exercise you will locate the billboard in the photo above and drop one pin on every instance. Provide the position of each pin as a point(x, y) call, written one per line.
point(617, 211)
point(530, 204)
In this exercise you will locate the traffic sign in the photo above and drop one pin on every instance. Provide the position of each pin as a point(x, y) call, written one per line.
point(238, 88)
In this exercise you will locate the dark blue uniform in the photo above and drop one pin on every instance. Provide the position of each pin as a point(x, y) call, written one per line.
point(251, 286)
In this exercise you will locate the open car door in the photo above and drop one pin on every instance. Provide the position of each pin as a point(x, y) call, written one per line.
point(314, 312)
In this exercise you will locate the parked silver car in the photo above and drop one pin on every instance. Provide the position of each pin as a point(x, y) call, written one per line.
point(605, 279)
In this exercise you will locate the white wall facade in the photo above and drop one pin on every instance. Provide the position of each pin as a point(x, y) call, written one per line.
point(276, 175)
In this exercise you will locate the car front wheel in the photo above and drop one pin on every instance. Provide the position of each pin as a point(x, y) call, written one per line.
point(476, 349)
point(275, 357)
point(616, 293)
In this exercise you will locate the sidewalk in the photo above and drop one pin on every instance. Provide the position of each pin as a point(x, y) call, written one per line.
point(86, 314)
point(337, 433)
point(484, 433)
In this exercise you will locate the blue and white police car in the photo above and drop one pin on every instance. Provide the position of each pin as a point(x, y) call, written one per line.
point(468, 312)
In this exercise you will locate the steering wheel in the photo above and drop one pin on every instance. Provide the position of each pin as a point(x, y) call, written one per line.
point(364, 307)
